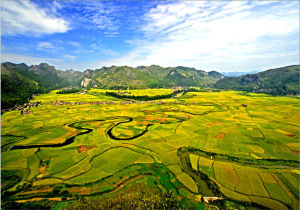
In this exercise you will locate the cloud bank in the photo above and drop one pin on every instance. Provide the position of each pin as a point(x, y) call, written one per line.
point(229, 36)
point(210, 35)
point(26, 18)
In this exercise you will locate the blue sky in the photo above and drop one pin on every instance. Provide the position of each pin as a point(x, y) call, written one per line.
point(209, 35)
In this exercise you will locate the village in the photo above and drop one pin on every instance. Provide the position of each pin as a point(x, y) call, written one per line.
point(24, 108)
point(122, 103)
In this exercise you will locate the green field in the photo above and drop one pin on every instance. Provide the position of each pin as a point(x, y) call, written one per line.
point(196, 145)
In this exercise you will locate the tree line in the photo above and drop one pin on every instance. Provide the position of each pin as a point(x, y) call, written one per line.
point(76, 90)
point(157, 97)
point(144, 97)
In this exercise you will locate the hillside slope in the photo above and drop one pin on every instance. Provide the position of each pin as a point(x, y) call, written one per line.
point(19, 82)
point(73, 78)
point(116, 77)
point(279, 81)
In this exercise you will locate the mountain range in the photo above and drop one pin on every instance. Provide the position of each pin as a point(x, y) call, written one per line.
point(278, 81)
point(20, 81)
point(120, 77)
point(238, 73)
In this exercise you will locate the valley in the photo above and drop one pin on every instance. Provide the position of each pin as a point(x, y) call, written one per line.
point(208, 149)
point(150, 105)
point(42, 78)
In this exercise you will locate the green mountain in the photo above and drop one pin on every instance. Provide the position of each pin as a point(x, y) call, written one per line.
point(119, 77)
point(279, 81)
point(116, 77)
point(184, 76)
point(73, 78)
point(19, 81)
point(16, 86)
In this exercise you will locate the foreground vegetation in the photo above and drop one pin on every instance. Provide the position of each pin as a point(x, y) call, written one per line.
point(81, 150)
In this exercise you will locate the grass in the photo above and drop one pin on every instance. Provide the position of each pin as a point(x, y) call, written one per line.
point(75, 170)
point(188, 182)
point(234, 195)
point(214, 122)
point(47, 181)
point(276, 192)
point(225, 174)
point(250, 182)
point(241, 181)
point(290, 183)
point(33, 163)
point(194, 161)
point(271, 204)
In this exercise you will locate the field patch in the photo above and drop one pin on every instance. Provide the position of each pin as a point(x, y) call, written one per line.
point(192, 145)
point(234, 195)
point(256, 149)
point(194, 161)
point(188, 182)
point(250, 182)
point(206, 166)
point(83, 148)
point(272, 204)
point(220, 136)
point(216, 123)
point(225, 174)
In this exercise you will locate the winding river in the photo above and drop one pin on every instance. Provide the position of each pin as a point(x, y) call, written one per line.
point(108, 132)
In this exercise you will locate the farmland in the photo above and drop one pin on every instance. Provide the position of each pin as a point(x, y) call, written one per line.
point(242, 149)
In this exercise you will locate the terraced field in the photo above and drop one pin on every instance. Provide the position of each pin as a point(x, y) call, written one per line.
point(242, 150)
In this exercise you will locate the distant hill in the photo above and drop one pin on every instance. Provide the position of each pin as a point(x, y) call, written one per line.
point(237, 73)
point(279, 81)
point(19, 81)
point(116, 77)
point(71, 77)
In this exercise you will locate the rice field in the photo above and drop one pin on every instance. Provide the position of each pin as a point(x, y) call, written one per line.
point(239, 148)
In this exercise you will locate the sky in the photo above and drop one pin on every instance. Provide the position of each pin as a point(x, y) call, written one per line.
point(225, 36)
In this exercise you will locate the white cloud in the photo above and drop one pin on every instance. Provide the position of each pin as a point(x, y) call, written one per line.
point(47, 45)
point(74, 44)
point(25, 17)
point(70, 57)
point(213, 34)
point(96, 15)
point(98, 48)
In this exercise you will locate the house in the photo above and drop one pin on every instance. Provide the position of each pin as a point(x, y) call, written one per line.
point(26, 111)
point(211, 199)
point(124, 93)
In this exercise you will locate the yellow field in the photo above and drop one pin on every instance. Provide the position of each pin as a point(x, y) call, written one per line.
point(93, 140)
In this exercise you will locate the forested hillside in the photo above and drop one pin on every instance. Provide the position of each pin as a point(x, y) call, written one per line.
point(19, 82)
point(153, 76)
point(279, 81)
